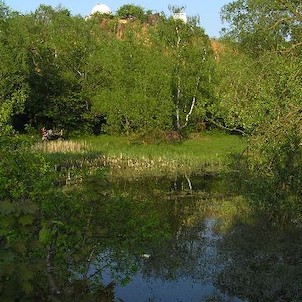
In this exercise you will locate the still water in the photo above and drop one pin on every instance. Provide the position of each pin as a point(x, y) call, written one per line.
point(194, 284)
point(211, 246)
point(181, 238)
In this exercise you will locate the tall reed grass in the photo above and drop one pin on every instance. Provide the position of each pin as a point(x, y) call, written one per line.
point(125, 166)
point(60, 146)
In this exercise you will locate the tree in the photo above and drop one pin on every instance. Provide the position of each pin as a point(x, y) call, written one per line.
point(268, 37)
point(131, 11)
point(58, 51)
point(131, 85)
point(141, 75)
point(268, 77)
point(13, 67)
point(43, 68)
point(265, 25)
point(192, 65)
point(260, 70)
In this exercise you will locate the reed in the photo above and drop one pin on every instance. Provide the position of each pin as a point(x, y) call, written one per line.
point(125, 166)
point(60, 146)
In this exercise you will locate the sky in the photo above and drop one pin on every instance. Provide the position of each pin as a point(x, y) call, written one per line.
point(207, 10)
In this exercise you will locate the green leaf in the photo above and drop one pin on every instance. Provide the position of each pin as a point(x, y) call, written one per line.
point(6, 207)
point(26, 219)
point(44, 235)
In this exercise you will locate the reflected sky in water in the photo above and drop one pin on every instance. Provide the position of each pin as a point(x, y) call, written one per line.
point(156, 239)
point(182, 289)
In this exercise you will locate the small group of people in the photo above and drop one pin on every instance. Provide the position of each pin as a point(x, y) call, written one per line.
point(50, 134)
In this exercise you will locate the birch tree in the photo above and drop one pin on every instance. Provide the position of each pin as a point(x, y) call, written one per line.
point(192, 58)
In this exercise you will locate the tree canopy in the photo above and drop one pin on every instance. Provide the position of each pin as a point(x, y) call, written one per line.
point(112, 74)
point(265, 25)
point(264, 91)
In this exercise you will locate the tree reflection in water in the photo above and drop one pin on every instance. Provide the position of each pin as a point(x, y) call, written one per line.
point(263, 261)
point(127, 240)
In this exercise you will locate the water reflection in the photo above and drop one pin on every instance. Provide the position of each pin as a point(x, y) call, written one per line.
point(183, 270)
point(157, 239)
point(263, 261)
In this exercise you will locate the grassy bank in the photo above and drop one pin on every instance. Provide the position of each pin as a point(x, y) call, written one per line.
point(209, 147)
point(206, 152)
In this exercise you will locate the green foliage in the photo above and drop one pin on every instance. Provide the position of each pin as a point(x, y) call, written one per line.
point(264, 25)
point(261, 92)
point(4, 10)
point(13, 68)
point(100, 71)
point(270, 171)
point(252, 92)
point(191, 67)
point(57, 69)
point(135, 93)
point(261, 71)
point(263, 82)
point(130, 10)
point(23, 178)
point(20, 170)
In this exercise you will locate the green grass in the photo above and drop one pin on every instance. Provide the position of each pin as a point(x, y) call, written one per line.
point(125, 157)
point(207, 150)
point(209, 147)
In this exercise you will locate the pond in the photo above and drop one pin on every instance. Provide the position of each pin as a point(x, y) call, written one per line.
point(180, 238)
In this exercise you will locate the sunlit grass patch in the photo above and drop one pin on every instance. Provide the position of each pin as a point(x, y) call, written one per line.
point(207, 152)
point(204, 148)
point(203, 152)
point(60, 146)
point(142, 166)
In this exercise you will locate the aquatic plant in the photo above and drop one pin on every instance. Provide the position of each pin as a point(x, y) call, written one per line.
point(60, 146)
